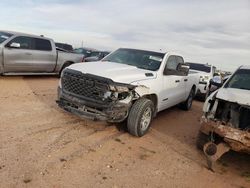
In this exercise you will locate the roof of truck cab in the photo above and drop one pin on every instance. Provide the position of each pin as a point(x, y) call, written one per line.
point(24, 34)
point(174, 53)
point(245, 67)
point(143, 49)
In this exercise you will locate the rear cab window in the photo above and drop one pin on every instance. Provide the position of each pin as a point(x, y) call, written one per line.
point(42, 44)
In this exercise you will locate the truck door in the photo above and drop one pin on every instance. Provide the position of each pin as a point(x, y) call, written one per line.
point(44, 56)
point(17, 55)
point(173, 85)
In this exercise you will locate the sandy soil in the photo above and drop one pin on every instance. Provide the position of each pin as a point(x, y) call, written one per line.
point(43, 146)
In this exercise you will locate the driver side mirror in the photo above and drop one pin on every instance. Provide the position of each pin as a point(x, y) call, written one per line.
point(14, 45)
point(183, 69)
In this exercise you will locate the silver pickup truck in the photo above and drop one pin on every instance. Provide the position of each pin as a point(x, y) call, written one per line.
point(25, 54)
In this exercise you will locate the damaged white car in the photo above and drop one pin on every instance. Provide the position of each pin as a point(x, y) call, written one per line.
point(226, 122)
point(128, 84)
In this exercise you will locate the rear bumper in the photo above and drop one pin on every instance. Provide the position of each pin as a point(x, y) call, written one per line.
point(112, 112)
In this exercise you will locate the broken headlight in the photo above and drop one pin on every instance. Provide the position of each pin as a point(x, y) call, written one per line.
point(116, 95)
point(117, 92)
point(118, 89)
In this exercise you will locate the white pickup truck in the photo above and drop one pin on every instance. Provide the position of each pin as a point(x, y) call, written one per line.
point(206, 73)
point(128, 84)
point(25, 54)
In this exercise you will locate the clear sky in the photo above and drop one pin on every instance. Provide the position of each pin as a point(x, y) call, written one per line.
point(205, 31)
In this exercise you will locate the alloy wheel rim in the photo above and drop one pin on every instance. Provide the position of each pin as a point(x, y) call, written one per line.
point(146, 118)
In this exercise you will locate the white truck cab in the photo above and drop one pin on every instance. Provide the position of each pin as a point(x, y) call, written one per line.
point(206, 73)
point(128, 84)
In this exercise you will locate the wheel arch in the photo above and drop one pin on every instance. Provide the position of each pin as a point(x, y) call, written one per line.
point(64, 65)
point(153, 97)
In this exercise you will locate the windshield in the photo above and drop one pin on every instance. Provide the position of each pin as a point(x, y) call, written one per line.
point(4, 36)
point(138, 58)
point(200, 67)
point(83, 51)
point(94, 54)
point(240, 80)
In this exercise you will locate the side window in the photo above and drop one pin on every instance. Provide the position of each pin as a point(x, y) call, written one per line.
point(179, 60)
point(25, 42)
point(171, 66)
point(42, 44)
point(172, 63)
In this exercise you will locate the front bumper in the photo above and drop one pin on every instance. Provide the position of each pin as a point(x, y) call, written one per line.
point(202, 88)
point(112, 112)
point(238, 140)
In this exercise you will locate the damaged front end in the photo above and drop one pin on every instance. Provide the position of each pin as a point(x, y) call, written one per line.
point(94, 97)
point(226, 126)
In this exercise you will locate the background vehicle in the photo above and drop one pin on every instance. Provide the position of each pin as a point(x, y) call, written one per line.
point(128, 84)
point(215, 83)
point(206, 73)
point(226, 124)
point(84, 51)
point(26, 54)
point(64, 46)
point(96, 56)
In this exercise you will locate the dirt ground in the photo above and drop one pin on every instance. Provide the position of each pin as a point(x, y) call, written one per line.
point(43, 146)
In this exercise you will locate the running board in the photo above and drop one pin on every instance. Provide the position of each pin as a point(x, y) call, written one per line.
point(28, 73)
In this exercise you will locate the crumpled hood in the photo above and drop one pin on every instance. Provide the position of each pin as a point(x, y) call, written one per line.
point(115, 71)
point(239, 96)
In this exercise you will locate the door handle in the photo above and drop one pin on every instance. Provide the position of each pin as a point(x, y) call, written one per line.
point(28, 53)
point(177, 81)
point(185, 80)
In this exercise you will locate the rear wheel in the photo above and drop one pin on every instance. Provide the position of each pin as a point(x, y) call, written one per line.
point(140, 117)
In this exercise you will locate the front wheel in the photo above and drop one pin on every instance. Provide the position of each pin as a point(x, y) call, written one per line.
point(140, 117)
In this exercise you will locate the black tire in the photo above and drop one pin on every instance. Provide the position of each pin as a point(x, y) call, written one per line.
point(201, 140)
point(134, 123)
point(63, 67)
point(188, 103)
point(207, 95)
